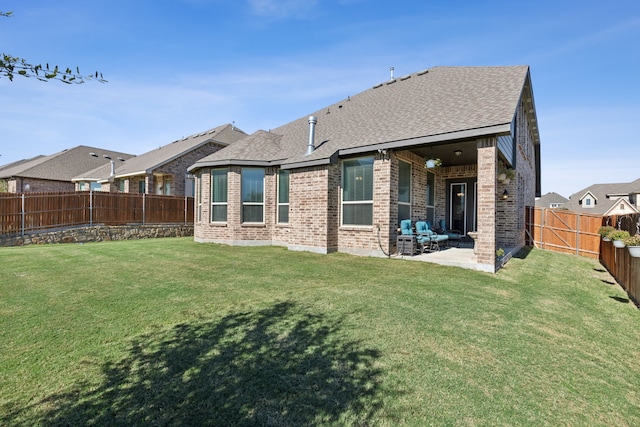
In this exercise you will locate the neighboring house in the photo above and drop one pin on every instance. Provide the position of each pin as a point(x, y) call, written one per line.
point(551, 200)
point(54, 173)
point(342, 179)
point(607, 199)
point(163, 170)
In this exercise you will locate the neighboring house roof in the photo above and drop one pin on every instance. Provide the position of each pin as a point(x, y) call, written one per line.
point(437, 104)
point(99, 173)
point(18, 163)
point(62, 166)
point(551, 198)
point(605, 196)
point(145, 163)
point(589, 194)
point(621, 207)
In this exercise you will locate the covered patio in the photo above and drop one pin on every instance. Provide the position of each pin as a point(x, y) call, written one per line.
point(462, 256)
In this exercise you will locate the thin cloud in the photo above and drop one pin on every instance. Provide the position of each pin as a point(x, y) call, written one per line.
point(598, 37)
point(282, 9)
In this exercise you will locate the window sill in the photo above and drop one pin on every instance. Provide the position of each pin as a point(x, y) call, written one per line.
point(253, 225)
point(356, 228)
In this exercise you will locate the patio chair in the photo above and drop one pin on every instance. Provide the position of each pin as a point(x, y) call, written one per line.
point(455, 236)
point(429, 237)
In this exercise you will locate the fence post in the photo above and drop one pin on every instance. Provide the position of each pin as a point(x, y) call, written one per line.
point(144, 206)
point(186, 209)
point(578, 234)
point(22, 217)
point(90, 207)
point(543, 217)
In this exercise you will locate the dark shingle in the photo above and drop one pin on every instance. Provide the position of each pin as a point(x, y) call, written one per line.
point(441, 101)
point(64, 165)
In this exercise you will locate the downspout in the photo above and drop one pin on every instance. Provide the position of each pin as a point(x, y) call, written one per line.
point(312, 131)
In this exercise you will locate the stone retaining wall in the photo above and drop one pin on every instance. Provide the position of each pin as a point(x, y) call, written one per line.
point(99, 233)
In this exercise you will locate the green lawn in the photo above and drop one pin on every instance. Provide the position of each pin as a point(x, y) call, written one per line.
point(170, 332)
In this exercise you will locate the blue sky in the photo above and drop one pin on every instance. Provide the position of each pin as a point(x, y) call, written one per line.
point(184, 66)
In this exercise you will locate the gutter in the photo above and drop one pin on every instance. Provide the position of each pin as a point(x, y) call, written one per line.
point(502, 129)
point(410, 143)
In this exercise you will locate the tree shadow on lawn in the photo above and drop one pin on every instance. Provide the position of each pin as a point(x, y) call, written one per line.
point(278, 366)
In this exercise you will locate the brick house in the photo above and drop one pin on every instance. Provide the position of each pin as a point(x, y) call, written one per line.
point(342, 178)
point(54, 173)
point(551, 200)
point(163, 170)
point(607, 199)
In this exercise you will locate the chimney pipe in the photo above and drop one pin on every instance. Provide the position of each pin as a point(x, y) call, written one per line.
point(391, 71)
point(312, 133)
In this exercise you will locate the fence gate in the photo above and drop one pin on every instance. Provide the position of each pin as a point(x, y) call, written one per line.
point(563, 231)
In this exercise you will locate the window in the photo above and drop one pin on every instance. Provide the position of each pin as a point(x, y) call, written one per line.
point(199, 195)
point(404, 191)
point(357, 192)
point(252, 195)
point(283, 196)
point(189, 185)
point(141, 186)
point(431, 197)
point(587, 202)
point(219, 195)
point(167, 186)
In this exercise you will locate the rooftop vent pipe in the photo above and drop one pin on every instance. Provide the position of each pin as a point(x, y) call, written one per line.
point(312, 133)
point(392, 77)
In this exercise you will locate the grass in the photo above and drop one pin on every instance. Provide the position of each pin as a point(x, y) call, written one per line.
point(170, 332)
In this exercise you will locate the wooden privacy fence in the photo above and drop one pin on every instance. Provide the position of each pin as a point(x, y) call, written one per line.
point(577, 233)
point(563, 231)
point(622, 266)
point(22, 213)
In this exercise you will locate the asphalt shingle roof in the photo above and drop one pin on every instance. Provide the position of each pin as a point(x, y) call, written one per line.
point(437, 101)
point(145, 163)
point(550, 198)
point(600, 192)
point(64, 165)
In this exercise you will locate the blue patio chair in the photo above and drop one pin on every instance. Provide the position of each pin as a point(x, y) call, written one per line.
point(455, 236)
point(405, 227)
point(429, 237)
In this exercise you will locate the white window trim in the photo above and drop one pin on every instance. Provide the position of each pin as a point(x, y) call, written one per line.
point(218, 203)
point(243, 204)
point(198, 190)
point(356, 202)
point(410, 188)
point(278, 204)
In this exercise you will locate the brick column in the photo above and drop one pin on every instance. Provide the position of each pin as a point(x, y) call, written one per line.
point(487, 200)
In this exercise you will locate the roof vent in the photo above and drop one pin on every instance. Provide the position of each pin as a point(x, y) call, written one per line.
point(391, 77)
point(312, 134)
